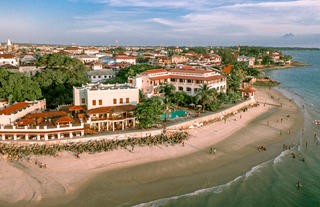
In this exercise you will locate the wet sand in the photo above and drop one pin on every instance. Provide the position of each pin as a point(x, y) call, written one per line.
point(123, 178)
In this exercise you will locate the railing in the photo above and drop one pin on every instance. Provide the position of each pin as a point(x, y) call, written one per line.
point(41, 129)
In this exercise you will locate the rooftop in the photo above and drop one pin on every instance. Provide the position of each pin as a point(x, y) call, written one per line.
point(13, 108)
point(99, 86)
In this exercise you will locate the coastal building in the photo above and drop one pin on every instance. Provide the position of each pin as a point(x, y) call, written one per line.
point(109, 107)
point(248, 60)
point(187, 79)
point(105, 95)
point(91, 51)
point(150, 80)
point(14, 112)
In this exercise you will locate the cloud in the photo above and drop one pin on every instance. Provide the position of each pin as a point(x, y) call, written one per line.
point(221, 21)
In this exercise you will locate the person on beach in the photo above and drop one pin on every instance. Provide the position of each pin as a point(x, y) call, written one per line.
point(210, 150)
point(299, 185)
point(214, 151)
point(307, 144)
point(293, 155)
point(78, 155)
point(281, 120)
point(315, 135)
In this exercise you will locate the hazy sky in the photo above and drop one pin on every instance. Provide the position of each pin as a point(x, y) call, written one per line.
point(162, 22)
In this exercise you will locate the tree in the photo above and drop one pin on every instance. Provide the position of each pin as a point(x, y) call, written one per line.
point(168, 90)
point(60, 74)
point(205, 95)
point(141, 59)
point(149, 112)
point(179, 97)
point(131, 71)
point(18, 87)
point(227, 56)
point(235, 77)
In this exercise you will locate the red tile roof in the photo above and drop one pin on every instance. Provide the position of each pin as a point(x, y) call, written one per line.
point(46, 114)
point(64, 119)
point(215, 77)
point(248, 90)
point(25, 122)
point(191, 70)
point(160, 77)
point(111, 109)
point(100, 110)
point(6, 56)
point(9, 110)
point(154, 71)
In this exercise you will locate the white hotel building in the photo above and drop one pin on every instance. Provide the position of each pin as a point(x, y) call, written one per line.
point(187, 79)
point(109, 107)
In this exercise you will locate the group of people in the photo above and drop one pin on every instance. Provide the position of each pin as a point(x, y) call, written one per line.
point(262, 148)
point(37, 162)
point(212, 150)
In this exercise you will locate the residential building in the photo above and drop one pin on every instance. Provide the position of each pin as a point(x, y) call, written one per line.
point(126, 59)
point(178, 59)
point(74, 50)
point(101, 95)
point(100, 75)
point(8, 59)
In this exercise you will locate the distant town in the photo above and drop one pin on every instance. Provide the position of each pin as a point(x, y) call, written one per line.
point(55, 93)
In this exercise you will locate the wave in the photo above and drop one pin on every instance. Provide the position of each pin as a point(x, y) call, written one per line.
point(282, 154)
point(215, 189)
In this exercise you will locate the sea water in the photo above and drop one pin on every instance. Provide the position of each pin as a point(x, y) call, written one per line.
point(273, 183)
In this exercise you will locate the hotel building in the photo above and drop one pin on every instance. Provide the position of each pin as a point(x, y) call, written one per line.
point(187, 79)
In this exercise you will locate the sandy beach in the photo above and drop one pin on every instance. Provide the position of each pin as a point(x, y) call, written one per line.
point(123, 178)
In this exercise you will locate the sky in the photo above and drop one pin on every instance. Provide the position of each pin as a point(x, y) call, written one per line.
point(162, 22)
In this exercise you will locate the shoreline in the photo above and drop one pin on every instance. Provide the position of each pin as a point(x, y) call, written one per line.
point(295, 64)
point(150, 166)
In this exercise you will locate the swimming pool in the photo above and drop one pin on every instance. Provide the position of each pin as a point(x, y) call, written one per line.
point(174, 114)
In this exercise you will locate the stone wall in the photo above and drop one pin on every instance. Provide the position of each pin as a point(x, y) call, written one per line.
point(139, 134)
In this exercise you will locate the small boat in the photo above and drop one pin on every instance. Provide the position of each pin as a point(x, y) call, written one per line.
point(317, 122)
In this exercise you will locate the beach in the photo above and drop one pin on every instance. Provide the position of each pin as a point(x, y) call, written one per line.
point(123, 178)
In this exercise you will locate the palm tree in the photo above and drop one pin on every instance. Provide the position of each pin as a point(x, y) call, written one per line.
point(167, 89)
point(205, 94)
point(167, 106)
point(179, 97)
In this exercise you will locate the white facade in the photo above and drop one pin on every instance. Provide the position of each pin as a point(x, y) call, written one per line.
point(131, 60)
point(100, 95)
point(100, 75)
point(8, 59)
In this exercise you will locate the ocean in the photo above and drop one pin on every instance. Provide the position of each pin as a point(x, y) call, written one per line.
point(273, 183)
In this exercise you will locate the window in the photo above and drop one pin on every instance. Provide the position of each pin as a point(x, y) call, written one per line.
point(180, 88)
point(83, 100)
point(195, 90)
point(181, 81)
point(94, 102)
point(197, 81)
point(189, 81)
point(99, 76)
point(173, 80)
point(114, 101)
point(94, 76)
point(121, 100)
point(188, 89)
point(100, 102)
point(127, 100)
